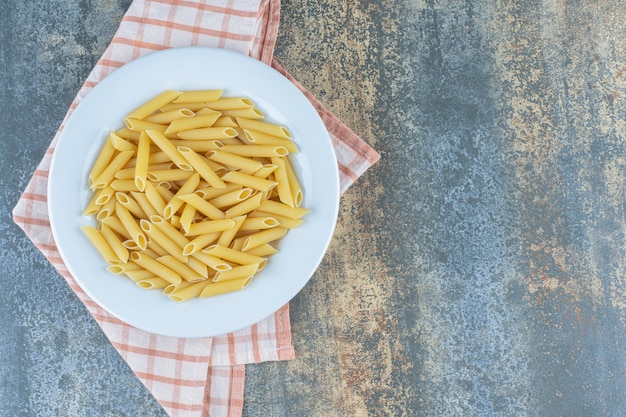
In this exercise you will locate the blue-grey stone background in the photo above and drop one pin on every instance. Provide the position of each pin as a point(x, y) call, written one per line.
point(477, 270)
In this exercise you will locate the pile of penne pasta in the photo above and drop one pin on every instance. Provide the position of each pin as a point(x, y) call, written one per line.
point(192, 194)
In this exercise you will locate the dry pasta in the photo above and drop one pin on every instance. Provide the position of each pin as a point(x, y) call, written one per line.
point(192, 194)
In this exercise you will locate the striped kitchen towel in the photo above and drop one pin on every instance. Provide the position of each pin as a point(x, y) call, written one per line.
point(190, 377)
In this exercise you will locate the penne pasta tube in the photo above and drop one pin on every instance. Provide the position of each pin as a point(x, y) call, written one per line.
point(116, 225)
point(131, 225)
point(100, 243)
point(264, 236)
point(193, 106)
point(124, 185)
point(225, 121)
point(155, 198)
point(249, 113)
point(283, 221)
point(260, 138)
point(128, 134)
point(281, 209)
point(114, 243)
point(198, 266)
point(106, 210)
point(209, 193)
point(256, 150)
point(187, 216)
point(247, 180)
point(234, 256)
point(263, 250)
point(174, 287)
point(229, 103)
point(227, 236)
point(166, 146)
point(180, 268)
point(244, 207)
point(176, 203)
point(233, 160)
point(187, 293)
point(99, 199)
point(144, 203)
point(155, 267)
point(217, 288)
point(102, 161)
point(265, 171)
point(143, 161)
point(198, 145)
point(169, 175)
point(119, 269)
point(207, 133)
point(170, 231)
point(130, 204)
point(211, 261)
point(200, 242)
point(283, 188)
point(259, 223)
point(167, 117)
point(210, 226)
point(198, 96)
point(153, 283)
point(294, 184)
point(139, 274)
point(238, 272)
point(201, 166)
point(155, 234)
point(154, 104)
point(264, 127)
point(231, 198)
point(122, 144)
point(138, 125)
point(202, 206)
point(188, 123)
point(107, 175)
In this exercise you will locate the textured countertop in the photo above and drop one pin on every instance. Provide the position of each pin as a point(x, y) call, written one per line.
point(479, 269)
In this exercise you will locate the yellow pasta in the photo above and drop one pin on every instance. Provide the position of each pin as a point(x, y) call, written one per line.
point(201, 166)
point(155, 267)
point(188, 292)
point(217, 288)
point(195, 122)
point(100, 243)
point(143, 161)
point(192, 193)
point(247, 180)
point(168, 147)
point(283, 187)
point(154, 104)
point(107, 175)
point(264, 127)
point(208, 133)
point(180, 268)
point(260, 138)
point(169, 116)
point(235, 161)
point(114, 243)
point(203, 206)
point(237, 273)
point(198, 95)
point(234, 256)
point(102, 161)
point(256, 150)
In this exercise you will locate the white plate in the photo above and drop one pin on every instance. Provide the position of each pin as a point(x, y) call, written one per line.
point(103, 109)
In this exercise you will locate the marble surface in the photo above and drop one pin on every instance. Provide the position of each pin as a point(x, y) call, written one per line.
point(478, 269)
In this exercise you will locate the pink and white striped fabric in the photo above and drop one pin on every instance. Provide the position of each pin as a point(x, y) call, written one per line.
point(190, 377)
